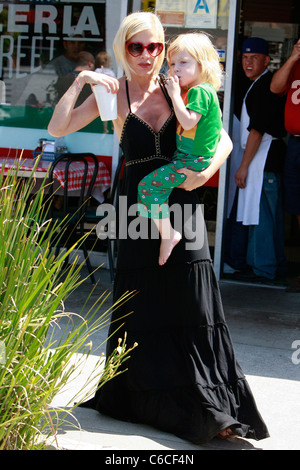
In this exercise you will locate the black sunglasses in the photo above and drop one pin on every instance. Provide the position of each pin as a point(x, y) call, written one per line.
point(136, 48)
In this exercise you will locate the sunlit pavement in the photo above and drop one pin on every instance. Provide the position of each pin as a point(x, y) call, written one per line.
point(265, 329)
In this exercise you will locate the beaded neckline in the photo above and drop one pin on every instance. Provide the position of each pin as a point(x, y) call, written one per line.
point(131, 114)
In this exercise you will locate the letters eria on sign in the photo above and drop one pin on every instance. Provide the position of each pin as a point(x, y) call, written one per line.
point(14, 47)
point(17, 19)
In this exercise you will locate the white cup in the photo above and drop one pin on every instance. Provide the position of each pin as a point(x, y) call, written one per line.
point(107, 103)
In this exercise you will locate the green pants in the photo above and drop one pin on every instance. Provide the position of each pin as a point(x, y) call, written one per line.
point(154, 190)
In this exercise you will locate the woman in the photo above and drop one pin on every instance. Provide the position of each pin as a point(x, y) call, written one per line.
point(183, 377)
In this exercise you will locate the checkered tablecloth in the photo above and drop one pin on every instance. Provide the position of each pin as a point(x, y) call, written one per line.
point(76, 172)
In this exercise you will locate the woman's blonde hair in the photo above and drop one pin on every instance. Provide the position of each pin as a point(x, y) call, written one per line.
point(200, 47)
point(131, 25)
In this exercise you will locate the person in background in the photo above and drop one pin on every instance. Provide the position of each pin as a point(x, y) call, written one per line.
point(235, 233)
point(286, 81)
point(259, 175)
point(85, 61)
point(103, 63)
point(41, 87)
point(66, 62)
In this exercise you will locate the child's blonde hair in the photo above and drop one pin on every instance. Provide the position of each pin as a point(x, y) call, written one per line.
point(131, 25)
point(103, 59)
point(200, 47)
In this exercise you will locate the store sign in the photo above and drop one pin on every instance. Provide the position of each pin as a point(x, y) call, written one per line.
point(201, 14)
point(28, 27)
point(188, 13)
point(19, 15)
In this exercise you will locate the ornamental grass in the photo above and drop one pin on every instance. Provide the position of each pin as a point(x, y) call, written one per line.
point(35, 365)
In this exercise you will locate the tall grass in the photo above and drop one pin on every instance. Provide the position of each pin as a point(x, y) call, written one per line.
point(34, 364)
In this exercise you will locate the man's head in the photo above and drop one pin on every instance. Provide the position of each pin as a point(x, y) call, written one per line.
point(255, 57)
point(85, 61)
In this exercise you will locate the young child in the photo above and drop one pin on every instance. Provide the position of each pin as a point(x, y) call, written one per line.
point(195, 77)
point(103, 64)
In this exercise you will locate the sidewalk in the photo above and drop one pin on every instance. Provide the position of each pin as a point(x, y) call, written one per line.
point(264, 323)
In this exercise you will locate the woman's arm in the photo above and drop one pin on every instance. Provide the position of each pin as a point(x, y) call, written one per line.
point(186, 117)
point(252, 145)
point(195, 179)
point(65, 118)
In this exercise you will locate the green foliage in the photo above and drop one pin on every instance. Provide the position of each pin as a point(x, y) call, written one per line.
point(34, 364)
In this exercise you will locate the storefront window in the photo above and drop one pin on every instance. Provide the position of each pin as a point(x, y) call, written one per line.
point(182, 16)
point(43, 44)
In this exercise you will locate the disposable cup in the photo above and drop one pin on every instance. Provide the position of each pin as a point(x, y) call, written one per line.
point(106, 102)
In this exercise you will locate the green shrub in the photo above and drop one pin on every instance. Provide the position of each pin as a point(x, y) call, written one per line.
point(34, 364)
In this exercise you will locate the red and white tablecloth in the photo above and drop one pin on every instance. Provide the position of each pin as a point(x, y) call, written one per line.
point(76, 171)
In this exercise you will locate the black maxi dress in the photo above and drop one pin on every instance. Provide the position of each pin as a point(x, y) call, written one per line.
point(182, 377)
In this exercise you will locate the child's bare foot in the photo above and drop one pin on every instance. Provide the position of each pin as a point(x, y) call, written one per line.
point(227, 434)
point(167, 245)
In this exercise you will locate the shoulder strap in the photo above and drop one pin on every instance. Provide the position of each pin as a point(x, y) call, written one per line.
point(162, 81)
point(127, 93)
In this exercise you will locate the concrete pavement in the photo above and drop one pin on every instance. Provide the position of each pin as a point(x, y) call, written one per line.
point(265, 328)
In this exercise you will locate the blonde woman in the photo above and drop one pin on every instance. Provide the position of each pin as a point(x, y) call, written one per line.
point(195, 79)
point(182, 377)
